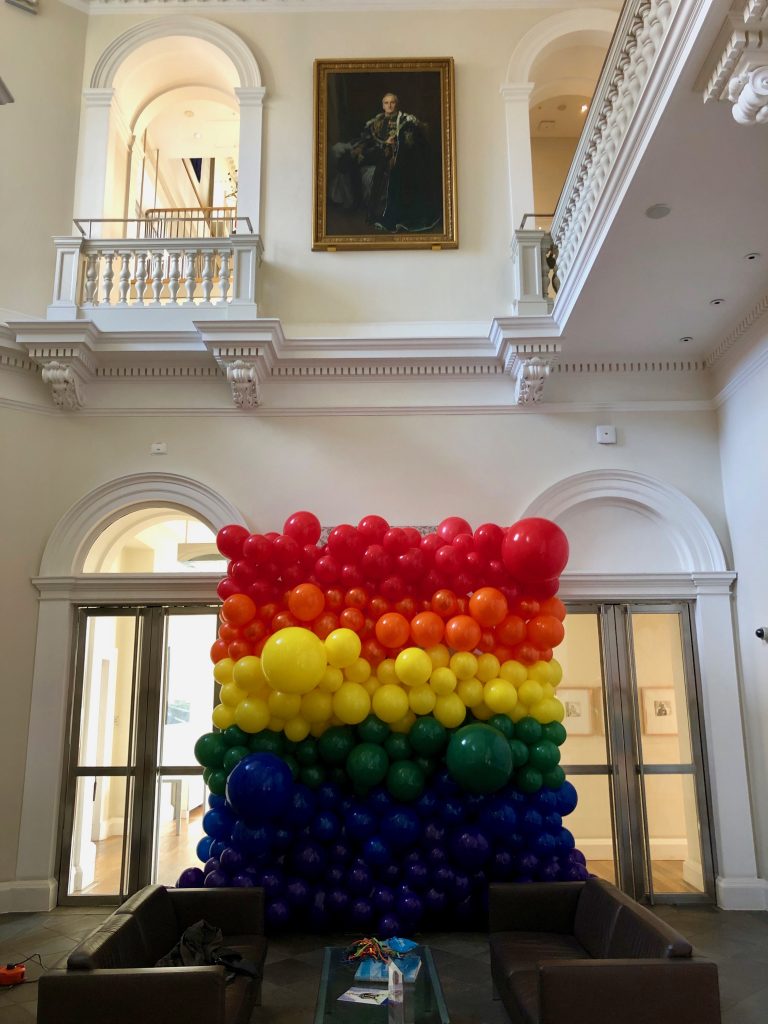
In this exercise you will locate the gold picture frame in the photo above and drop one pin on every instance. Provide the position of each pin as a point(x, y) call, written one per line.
point(385, 155)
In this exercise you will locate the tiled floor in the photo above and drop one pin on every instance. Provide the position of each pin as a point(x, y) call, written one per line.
point(737, 941)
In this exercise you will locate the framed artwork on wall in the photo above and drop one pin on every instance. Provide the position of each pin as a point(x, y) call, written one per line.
point(385, 161)
point(659, 711)
point(579, 711)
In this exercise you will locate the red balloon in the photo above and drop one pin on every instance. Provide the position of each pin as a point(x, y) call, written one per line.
point(535, 549)
point(464, 542)
point(488, 538)
point(430, 544)
point(286, 550)
point(393, 588)
point(407, 607)
point(303, 527)
point(239, 649)
point(325, 624)
point(449, 527)
point(261, 591)
point(413, 535)
point(395, 541)
point(255, 631)
point(230, 540)
point(373, 528)
point(218, 651)
point(376, 563)
point(413, 564)
point(327, 570)
point(542, 590)
point(226, 588)
point(257, 549)
point(525, 653)
point(243, 572)
point(449, 561)
point(346, 544)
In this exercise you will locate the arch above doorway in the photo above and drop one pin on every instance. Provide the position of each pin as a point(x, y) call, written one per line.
point(562, 29)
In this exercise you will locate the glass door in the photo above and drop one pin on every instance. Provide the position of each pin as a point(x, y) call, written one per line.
point(635, 749)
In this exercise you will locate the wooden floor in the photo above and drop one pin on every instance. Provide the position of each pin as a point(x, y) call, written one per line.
point(667, 875)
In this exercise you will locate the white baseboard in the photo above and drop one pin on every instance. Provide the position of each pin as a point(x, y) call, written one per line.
point(32, 896)
point(742, 893)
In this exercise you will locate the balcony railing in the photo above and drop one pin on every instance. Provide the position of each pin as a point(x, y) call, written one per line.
point(204, 222)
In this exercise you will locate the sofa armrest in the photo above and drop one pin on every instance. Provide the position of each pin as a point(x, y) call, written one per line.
point(681, 991)
point(533, 906)
point(153, 995)
point(235, 911)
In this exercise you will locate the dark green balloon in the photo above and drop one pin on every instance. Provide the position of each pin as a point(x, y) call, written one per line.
point(528, 780)
point(479, 758)
point(267, 742)
point(207, 775)
point(405, 781)
point(504, 724)
point(312, 775)
point(554, 732)
point(528, 730)
point(336, 744)
point(289, 746)
point(427, 736)
point(367, 765)
point(427, 764)
point(217, 781)
point(519, 752)
point(235, 736)
point(554, 778)
point(543, 755)
point(210, 750)
point(233, 756)
point(293, 764)
point(373, 730)
point(337, 776)
point(306, 752)
point(397, 747)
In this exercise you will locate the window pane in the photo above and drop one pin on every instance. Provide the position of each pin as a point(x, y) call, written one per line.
point(591, 824)
point(180, 805)
point(673, 832)
point(105, 719)
point(661, 692)
point(98, 831)
point(581, 691)
point(155, 540)
point(189, 688)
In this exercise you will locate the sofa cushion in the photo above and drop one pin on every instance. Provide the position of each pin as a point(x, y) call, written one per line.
point(596, 914)
point(118, 943)
point(521, 951)
point(153, 911)
point(639, 933)
point(524, 989)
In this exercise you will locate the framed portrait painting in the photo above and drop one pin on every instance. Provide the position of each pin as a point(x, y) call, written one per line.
point(385, 164)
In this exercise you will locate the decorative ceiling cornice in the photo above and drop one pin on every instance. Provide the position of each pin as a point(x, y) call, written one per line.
point(736, 70)
point(752, 317)
point(321, 6)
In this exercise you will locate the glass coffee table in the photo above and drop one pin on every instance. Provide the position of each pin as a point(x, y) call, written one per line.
point(423, 999)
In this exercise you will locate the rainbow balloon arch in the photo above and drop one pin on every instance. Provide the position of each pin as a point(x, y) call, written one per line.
point(387, 738)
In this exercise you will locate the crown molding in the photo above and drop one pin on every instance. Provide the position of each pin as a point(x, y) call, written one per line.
point(758, 311)
point(324, 6)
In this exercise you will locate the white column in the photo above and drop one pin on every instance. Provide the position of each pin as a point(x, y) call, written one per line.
point(531, 274)
point(93, 153)
point(516, 100)
point(738, 887)
point(249, 159)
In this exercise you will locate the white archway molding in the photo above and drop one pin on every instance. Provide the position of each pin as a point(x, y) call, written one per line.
point(684, 523)
point(79, 527)
point(554, 30)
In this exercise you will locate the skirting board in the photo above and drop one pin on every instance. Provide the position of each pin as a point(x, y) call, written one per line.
point(742, 893)
point(34, 896)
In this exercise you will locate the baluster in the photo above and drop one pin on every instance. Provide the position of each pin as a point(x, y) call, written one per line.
point(224, 276)
point(207, 276)
point(173, 275)
point(124, 280)
point(91, 277)
point(141, 276)
point(157, 277)
point(107, 278)
point(190, 276)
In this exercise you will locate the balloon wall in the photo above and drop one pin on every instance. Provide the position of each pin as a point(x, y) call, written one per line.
point(388, 734)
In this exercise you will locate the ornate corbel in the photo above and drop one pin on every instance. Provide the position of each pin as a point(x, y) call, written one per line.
point(66, 387)
point(530, 366)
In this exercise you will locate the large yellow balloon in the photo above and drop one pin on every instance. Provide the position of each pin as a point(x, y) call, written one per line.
point(450, 710)
point(390, 703)
point(231, 694)
point(247, 673)
point(470, 691)
point(222, 670)
point(413, 666)
point(500, 696)
point(422, 699)
point(223, 716)
point(342, 647)
point(316, 706)
point(252, 715)
point(351, 703)
point(294, 660)
point(284, 705)
point(443, 681)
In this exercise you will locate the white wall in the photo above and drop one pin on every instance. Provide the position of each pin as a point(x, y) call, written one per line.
point(551, 160)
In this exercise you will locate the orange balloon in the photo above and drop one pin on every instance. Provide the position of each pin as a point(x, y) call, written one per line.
point(545, 631)
point(553, 606)
point(218, 651)
point(283, 619)
point(462, 633)
point(510, 631)
point(488, 606)
point(306, 601)
point(238, 609)
point(352, 618)
point(325, 624)
point(427, 629)
point(445, 603)
point(392, 629)
point(526, 653)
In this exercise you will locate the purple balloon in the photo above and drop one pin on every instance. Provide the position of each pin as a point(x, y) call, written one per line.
point(376, 852)
point(389, 926)
point(297, 893)
point(359, 880)
point(360, 824)
point(462, 887)
point(361, 912)
point(308, 860)
point(272, 882)
point(470, 848)
point(278, 913)
point(445, 878)
point(383, 898)
point(390, 872)
point(337, 902)
point(417, 875)
point(191, 878)
point(502, 866)
point(318, 914)
point(339, 853)
point(577, 857)
point(410, 908)
point(212, 864)
point(434, 832)
point(435, 901)
point(243, 880)
point(436, 856)
point(217, 879)
point(335, 875)
point(232, 860)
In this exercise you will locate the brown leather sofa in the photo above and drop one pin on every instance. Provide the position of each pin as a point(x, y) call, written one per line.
point(110, 977)
point(584, 953)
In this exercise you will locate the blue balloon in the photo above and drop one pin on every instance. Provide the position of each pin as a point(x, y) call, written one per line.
point(361, 912)
point(553, 822)
point(272, 882)
point(360, 824)
point(427, 804)
point(462, 886)
point(337, 902)
point(335, 874)
point(546, 800)
point(549, 870)
point(359, 880)
point(531, 822)
point(191, 878)
point(417, 875)
point(326, 827)
point(445, 786)
point(218, 823)
point(379, 800)
point(328, 796)
point(567, 798)
point(308, 860)
point(435, 901)
point(376, 852)
point(498, 818)
point(400, 828)
point(436, 856)
point(339, 853)
point(545, 845)
point(389, 925)
point(410, 909)
point(254, 843)
point(278, 913)
point(260, 786)
point(445, 878)
point(282, 840)
point(526, 864)
point(390, 872)
point(502, 866)
point(452, 812)
point(297, 893)
point(218, 846)
point(470, 848)
point(566, 841)
point(214, 800)
point(203, 849)
point(383, 898)
point(433, 832)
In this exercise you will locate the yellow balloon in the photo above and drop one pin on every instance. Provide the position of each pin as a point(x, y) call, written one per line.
point(318, 728)
point(450, 710)
point(342, 647)
point(422, 699)
point(276, 724)
point(519, 711)
point(359, 671)
point(540, 672)
point(463, 664)
point(316, 706)
point(530, 692)
point(483, 712)
point(351, 703)
point(514, 672)
point(413, 666)
point(552, 710)
point(247, 673)
point(332, 679)
point(252, 715)
point(443, 681)
point(549, 690)
point(386, 671)
point(488, 666)
point(223, 716)
point(222, 670)
point(231, 694)
point(296, 729)
point(439, 655)
point(404, 724)
point(500, 696)
point(371, 684)
point(284, 705)
point(294, 660)
point(470, 691)
point(557, 672)
point(390, 703)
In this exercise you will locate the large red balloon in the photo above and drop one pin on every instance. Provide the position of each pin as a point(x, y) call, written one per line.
point(534, 549)
point(304, 527)
point(449, 527)
point(230, 539)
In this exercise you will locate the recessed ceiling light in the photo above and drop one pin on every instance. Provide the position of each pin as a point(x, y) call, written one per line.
point(584, 108)
point(752, 257)
point(197, 135)
point(562, 106)
point(657, 211)
point(189, 113)
point(686, 339)
point(716, 302)
point(544, 125)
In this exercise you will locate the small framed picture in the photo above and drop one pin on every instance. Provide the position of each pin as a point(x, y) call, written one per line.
point(659, 711)
point(579, 711)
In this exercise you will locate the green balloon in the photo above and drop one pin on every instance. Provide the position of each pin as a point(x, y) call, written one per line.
point(267, 742)
point(312, 775)
point(427, 736)
point(337, 776)
point(373, 730)
point(367, 765)
point(217, 781)
point(397, 747)
point(289, 746)
point(293, 764)
point(336, 744)
point(207, 774)
point(543, 755)
point(554, 778)
point(554, 732)
point(233, 756)
point(528, 730)
point(519, 752)
point(427, 764)
point(235, 736)
point(210, 750)
point(528, 780)
point(479, 758)
point(504, 724)
point(306, 751)
point(405, 781)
